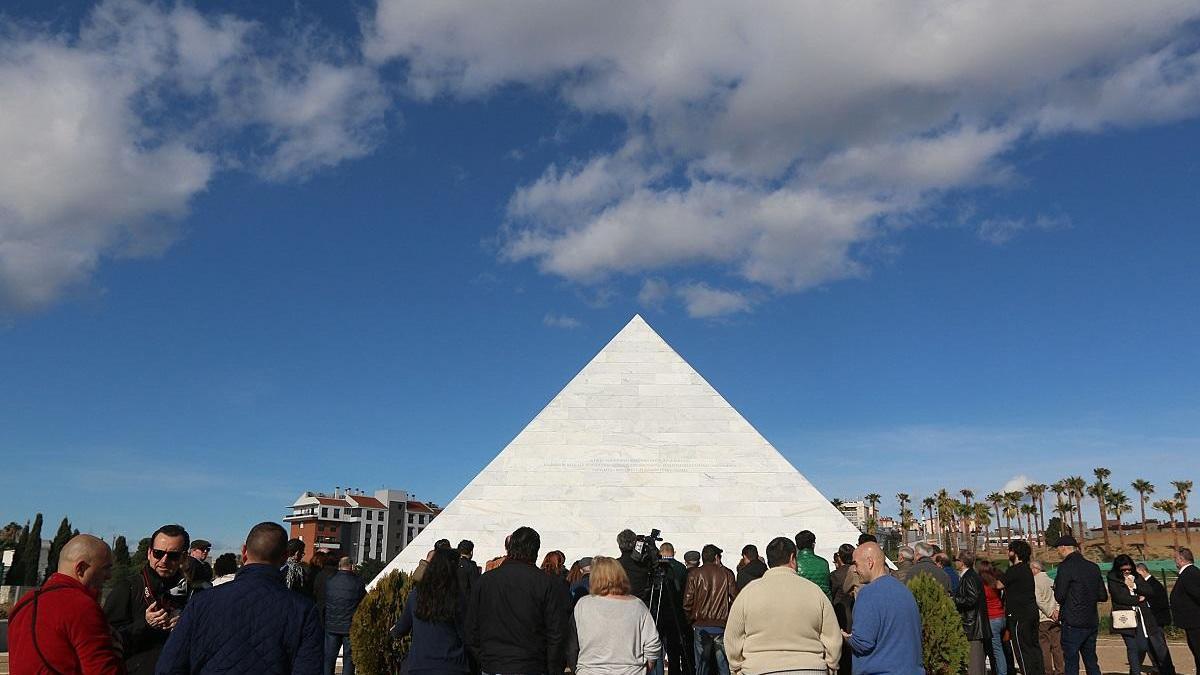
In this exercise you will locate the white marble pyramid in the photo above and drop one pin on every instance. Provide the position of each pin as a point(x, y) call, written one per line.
point(637, 439)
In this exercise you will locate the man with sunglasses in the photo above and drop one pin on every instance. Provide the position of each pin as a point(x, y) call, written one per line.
point(146, 606)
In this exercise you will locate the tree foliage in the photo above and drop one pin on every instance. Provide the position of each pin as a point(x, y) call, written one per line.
point(375, 652)
point(60, 540)
point(15, 575)
point(32, 554)
point(944, 647)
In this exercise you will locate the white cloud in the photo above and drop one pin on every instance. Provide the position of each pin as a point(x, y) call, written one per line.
point(704, 302)
point(94, 161)
point(561, 321)
point(1002, 230)
point(1017, 484)
point(773, 142)
point(654, 293)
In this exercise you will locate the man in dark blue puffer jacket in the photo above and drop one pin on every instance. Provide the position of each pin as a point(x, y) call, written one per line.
point(253, 624)
point(343, 592)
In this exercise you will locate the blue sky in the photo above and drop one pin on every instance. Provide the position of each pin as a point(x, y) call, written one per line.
point(248, 251)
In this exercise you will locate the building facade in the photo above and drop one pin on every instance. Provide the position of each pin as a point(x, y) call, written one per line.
point(349, 522)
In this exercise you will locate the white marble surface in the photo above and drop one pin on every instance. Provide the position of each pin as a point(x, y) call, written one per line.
point(637, 439)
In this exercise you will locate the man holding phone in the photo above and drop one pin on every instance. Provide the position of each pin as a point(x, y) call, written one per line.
point(144, 607)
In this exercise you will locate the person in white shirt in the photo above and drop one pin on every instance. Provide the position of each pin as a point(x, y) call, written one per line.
point(1049, 632)
point(612, 631)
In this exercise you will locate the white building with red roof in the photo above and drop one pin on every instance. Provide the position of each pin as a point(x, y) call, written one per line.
point(349, 522)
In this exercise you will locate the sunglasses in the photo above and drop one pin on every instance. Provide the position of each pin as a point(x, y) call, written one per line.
point(172, 556)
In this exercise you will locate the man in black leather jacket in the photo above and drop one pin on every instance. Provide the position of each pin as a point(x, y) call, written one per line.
point(1078, 588)
point(972, 607)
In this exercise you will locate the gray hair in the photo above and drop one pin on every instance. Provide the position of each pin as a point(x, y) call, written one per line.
point(906, 553)
point(1037, 565)
point(923, 550)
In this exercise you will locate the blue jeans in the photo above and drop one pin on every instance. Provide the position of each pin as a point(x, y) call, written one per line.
point(1078, 642)
point(333, 643)
point(722, 662)
point(999, 663)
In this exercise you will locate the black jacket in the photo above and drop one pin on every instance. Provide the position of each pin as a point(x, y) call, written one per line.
point(1123, 599)
point(343, 592)
point(1078, 587)
point(1160, 606)
point(1020, 601)
point(639, 576)
point(468, 575)
point(517, 620)
point(437, 646)
point(125, 608)
point(972, 606)
point(749, 572)
point(1185, 599)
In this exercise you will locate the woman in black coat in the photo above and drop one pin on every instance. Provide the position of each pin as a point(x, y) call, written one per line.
point(1130, 592)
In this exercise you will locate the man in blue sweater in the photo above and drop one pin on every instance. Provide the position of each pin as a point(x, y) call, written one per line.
point(887, 626)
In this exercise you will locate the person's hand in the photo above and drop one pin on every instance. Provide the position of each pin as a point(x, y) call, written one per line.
point(845, 635)
point(1054, 616)
point(156, 617)
point(173, 619)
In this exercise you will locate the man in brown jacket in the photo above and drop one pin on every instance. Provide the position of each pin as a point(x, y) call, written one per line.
point(707, 596)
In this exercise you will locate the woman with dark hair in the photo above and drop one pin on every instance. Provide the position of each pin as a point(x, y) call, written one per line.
point(434, 615)
point(995, 614)
point(1129, 593)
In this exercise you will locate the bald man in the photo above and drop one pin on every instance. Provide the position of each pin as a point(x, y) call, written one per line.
point(886, 638)
point(60, 628)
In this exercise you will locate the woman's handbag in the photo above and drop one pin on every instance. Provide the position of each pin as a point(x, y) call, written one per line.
point(1123, 619)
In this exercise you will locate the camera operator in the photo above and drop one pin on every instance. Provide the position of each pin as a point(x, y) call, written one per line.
point(638, 571)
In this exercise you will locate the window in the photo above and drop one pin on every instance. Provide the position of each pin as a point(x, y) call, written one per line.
point(411, 519)
point(324, 512)
point(337, 514)
point(410, 534)
point(368, 533)
point(302, 526)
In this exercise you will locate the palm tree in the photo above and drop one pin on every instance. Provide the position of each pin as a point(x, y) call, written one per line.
point(1118, 503)
point(1144, 489)
point(929, 503)
point(1182, 488)
point(1169, 507)
point(995, 499)
point(1076, 485)
point(983, 517)
point(967, 495)
point(964, 512)
point(1037, 493)
point(1029, 511)
point(1012, 509)
point(837, 503)
point(903, 499)
point(1100, 492)
point(873, 500)
point(1064, 509)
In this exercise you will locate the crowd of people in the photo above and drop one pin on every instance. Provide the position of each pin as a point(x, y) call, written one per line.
point(640, 612)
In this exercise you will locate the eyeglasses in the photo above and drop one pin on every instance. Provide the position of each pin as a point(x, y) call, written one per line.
point(171, 556)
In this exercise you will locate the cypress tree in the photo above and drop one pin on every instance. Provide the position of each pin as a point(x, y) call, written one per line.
point(33, 554)
point(16, 573)
point(139, 558)
point(121, 551)
point(56, 546)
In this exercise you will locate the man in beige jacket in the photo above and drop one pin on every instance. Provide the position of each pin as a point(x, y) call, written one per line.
point(782, 622)
point(1049, 632)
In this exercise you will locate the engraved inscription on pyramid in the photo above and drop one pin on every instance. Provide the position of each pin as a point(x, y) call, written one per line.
point(636, 440)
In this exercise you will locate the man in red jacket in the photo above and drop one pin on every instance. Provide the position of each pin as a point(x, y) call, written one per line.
point(60, 627)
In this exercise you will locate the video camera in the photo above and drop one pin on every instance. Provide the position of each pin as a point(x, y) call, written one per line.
point(645, 551)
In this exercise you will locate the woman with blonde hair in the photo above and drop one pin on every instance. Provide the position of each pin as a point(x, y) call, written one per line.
point(612, 632)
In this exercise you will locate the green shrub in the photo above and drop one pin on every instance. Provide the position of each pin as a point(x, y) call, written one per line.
point(944, 646)
point(375, 652)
